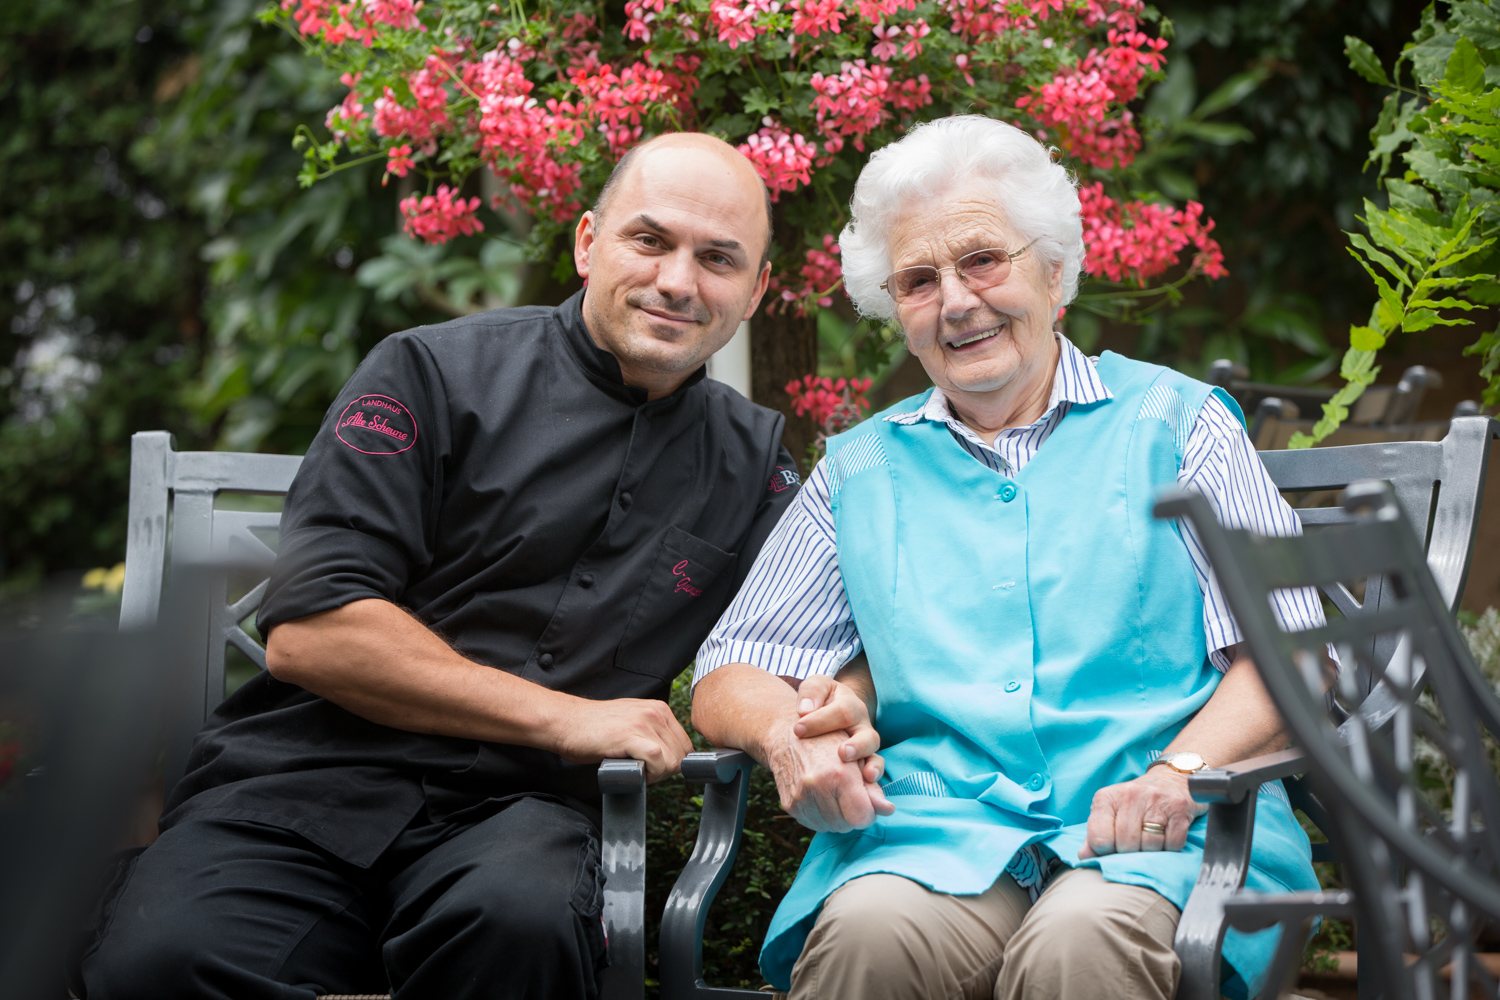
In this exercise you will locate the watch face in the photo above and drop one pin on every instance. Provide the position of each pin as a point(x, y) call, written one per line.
point(1186, 761)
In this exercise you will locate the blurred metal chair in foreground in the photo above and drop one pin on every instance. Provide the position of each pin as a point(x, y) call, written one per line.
point(89, 709)
point(1409, 776)
point(1440, 485)
point(174, 523)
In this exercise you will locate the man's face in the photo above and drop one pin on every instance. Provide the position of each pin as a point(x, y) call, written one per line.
point(975, 341)
point(674, 265)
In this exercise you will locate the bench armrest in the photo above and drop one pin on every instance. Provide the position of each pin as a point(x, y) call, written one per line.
point(726, 776)
point(622, 783)
point(1232, 782)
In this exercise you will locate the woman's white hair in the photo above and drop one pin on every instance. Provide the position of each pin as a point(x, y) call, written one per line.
point(1036, 195)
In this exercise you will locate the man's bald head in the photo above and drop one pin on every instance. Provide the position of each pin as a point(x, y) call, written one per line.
point(663, 145)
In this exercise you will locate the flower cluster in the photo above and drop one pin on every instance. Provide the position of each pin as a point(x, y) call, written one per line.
point(1078, 100)
point(783, 160)
point(857, 100)
point(813, 17)
point(1135, 240)
point(335, 23)
point(549, 94)
point(833, 403)
point(821, 274)
point(439, 218)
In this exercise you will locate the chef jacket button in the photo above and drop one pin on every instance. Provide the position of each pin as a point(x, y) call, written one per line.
point(586, 580)
point(545, 660)
point(625, 499)
point(1013, 686)
point(1036, 782)
point(1007, 493)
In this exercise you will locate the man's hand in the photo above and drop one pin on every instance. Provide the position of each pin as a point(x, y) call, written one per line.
point(638, 728)
point(822, 791)
point(1119, 812)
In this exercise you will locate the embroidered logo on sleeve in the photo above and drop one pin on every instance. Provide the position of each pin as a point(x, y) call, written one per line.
point(377, 425)
point(783, 479)
point(684, 582)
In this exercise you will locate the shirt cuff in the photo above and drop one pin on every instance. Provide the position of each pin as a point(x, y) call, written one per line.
point(783, 661)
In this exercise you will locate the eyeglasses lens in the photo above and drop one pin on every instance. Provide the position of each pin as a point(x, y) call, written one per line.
point(979, 270)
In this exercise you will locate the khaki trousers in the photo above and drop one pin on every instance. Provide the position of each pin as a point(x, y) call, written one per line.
point(884, 937)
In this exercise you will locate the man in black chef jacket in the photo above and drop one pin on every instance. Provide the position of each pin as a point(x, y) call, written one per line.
point(509, 535)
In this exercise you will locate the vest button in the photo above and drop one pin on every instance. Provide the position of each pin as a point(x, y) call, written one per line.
point(625, 499)
point(1036, 782)
point(1013, 686)
point(545, 660)
point(586, 580)
point(1007, 493)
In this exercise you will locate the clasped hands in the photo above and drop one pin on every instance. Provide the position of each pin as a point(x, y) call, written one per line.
point(827, 764)
point(828, 769)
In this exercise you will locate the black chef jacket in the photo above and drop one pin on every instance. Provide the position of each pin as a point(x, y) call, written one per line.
point(495, 476)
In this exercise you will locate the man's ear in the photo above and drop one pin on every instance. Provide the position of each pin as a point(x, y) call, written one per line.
point(583, 242)
point(760, 290)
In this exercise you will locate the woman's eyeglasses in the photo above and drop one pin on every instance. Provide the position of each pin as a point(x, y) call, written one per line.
point(915, 286)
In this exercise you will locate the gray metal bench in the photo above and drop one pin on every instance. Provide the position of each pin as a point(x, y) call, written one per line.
point(1423, 864)
point(173, 523)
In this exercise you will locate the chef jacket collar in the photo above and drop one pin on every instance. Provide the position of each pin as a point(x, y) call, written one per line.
point(601, 367)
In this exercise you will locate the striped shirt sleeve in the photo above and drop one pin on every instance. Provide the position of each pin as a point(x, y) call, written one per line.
point(791, 617)
point(1219, 462)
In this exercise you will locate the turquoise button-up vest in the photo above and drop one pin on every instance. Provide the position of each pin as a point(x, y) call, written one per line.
point(1033, 638)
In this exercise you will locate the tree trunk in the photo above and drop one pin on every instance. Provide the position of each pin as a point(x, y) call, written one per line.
point(783, 347)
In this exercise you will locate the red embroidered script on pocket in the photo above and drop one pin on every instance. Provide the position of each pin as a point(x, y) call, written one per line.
point(685, 585)
point(377, 425)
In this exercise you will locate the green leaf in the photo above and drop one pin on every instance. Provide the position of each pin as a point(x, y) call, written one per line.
point(1383, 259)
point(1171, 100)
point(1219, 133)
point(1362, 60)
point(1465, 70)
point(1231, 92)
point(758, 103)
point(1363, 338)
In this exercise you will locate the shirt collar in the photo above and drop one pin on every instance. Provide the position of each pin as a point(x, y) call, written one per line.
point(1075, 381)
point(600, 365)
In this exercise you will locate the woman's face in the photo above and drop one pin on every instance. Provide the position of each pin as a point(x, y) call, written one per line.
point(975, 341)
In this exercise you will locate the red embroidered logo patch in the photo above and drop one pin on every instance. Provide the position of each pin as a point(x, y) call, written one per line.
point(377, 425)
point(783, 479)
point(685, 583)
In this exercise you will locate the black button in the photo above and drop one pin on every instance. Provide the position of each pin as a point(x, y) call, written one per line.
point(586, 580)
point(625, 499)
point(545, 660)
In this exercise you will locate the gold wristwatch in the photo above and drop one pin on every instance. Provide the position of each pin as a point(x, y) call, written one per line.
point(1183, 762)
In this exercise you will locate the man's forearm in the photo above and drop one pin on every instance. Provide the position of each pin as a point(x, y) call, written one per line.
point(380, 663)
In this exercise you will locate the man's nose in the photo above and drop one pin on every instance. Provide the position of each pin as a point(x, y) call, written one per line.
point(676, 275)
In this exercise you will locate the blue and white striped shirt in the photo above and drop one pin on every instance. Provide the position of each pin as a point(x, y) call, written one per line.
point(792, 617)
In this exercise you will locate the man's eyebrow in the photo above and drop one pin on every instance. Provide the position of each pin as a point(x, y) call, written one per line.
point(652, 224)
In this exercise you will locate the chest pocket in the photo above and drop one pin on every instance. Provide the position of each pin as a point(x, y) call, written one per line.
point(680, 602)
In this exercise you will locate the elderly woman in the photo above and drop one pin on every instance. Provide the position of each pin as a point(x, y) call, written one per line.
point(1046, 662)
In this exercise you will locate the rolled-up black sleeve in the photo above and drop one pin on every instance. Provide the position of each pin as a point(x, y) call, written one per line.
point(360, 519)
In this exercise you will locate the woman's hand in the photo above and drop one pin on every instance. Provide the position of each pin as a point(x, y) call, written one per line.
point(1120, 812)
point(826, 705)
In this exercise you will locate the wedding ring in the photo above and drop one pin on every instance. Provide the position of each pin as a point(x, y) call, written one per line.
point(1153, 828)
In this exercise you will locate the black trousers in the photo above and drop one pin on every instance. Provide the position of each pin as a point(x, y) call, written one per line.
point(504, 905)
